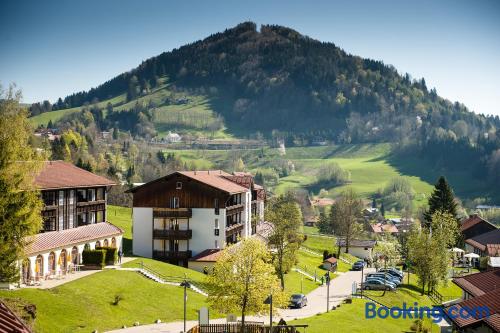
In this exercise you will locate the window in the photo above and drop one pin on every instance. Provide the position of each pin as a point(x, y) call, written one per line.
point(100, 193)
point(81, 195)
point(216, 206)
point(100, 216)
point(61, 221)
point(91, 194)
point(70, 220)
point(216, 244)
point(61, 198)
point(92, 218)
point(71, 197)
point(174, 202)
point(178, 186)
point(216, 223)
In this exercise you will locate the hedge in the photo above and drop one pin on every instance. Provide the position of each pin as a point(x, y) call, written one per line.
point(111, 254)
point(94, 258)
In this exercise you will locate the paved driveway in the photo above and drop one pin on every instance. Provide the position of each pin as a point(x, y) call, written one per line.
point(340, 288)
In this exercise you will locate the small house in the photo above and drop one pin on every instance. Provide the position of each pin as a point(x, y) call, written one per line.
point(360, 248)
point(330, 264)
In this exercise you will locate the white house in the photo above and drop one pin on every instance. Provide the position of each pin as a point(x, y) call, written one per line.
point(359, 248)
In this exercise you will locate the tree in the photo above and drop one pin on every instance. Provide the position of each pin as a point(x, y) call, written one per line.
point(345, 215)
point(382, 209)
point(20, 203)
point(442, 199)
point(445, 228)
point(285, 215)
point(429, 257)
point(242, 279)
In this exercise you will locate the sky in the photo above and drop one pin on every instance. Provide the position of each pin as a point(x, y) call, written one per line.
point(51, 49)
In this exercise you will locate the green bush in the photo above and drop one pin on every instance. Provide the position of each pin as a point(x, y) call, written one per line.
point(94, 257)
point(111, 254)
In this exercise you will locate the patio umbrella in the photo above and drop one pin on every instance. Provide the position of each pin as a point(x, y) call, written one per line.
point(456, 250)
point(37, 267)
point(471, 255)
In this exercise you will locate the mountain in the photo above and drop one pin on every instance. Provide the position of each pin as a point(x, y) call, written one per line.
point(278, 79)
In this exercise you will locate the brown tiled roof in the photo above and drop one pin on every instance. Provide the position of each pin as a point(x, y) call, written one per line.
point(331, 260)
point(60, 174)
point(472, 221)
point(493, 250)
point(216, 179)
point(57, 239)
point(379, 227)
point(209, 255)
point(10, 323)
point(490, 300)
point(481, 241)
point(480, 283)
point(356, 243)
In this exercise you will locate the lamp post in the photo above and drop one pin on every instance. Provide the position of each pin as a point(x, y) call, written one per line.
point(186, 285)
point(269, 300)
point(362, 277)
point(327, 276)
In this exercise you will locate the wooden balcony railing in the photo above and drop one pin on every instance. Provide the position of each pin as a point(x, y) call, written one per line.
point(173, 212)
point(169, 255)
point(172, 234)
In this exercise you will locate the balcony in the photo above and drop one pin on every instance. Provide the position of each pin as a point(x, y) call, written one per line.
point(171, 255)
point(235, 226)
point(84, 202)
point(173, 212)
point(172, 234)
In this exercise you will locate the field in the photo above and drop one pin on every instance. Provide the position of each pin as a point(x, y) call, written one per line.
point(86, 304)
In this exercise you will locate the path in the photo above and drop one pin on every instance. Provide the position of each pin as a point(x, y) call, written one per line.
point(340, 289)
point(49, 284)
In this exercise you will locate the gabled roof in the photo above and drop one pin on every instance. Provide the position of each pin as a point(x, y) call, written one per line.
point(480, 283)
point(472, 221)
point(56, 239)
point(331, 260)
point(60, 174)
point(356, 243)
point(490, 300)
point(10, 322)
point(481, 241)
point(382, 227)
point(213, 178)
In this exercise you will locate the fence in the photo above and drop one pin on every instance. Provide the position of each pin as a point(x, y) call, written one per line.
point(438, 298)
point(249, 328)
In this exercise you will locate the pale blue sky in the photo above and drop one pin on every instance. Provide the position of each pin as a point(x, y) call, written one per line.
point(54, 48)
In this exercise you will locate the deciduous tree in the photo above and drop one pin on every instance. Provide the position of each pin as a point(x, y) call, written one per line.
point(243, 278)
point(20, 204)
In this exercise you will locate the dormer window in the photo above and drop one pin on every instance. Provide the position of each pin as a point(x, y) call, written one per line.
point(178, 185)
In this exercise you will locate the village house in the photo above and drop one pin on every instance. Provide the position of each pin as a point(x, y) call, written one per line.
point(480, 291)
point(474, 226)
point(360, 248)
point(74, 219)
point(485, 245)
point(330, 264)
point(187, 216)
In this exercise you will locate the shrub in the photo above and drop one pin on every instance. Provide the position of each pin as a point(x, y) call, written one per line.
point(94, 257)
point(111, 254)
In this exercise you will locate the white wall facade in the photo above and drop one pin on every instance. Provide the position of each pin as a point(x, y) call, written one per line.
point(360, 252)
point(142, 229)
point(202, 223)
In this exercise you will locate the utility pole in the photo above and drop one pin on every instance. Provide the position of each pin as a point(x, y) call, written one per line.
point(362, 277)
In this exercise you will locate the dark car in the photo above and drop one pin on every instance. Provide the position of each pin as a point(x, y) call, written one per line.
point(358, 265)
point(388, 277)
point(392, 271)
point(298, 301)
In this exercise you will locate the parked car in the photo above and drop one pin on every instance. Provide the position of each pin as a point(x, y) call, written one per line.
point(358, 265)
point(388, 277)
point(392, 271)
point(376, 284)
point(387, 282)
point(298, 301)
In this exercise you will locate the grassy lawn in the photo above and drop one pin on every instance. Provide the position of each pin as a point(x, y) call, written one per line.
point(351, 318)
point(296, 283)
point(122, 218)
point(87, 304)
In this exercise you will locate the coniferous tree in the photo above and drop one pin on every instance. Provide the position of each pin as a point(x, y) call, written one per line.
point(20, 203)
point(442, 199)
point(382, 210)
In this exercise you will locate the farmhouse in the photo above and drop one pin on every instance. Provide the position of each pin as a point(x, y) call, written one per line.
point(474, 226)
point(360, 248)
point(74, 218)
point(487, 244)
point(186, 213)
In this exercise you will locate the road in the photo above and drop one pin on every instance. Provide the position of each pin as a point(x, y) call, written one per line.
point(340, 288)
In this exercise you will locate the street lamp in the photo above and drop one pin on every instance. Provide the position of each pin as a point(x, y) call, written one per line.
point(186, 285)
point(269, 300)
point(327, 277)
